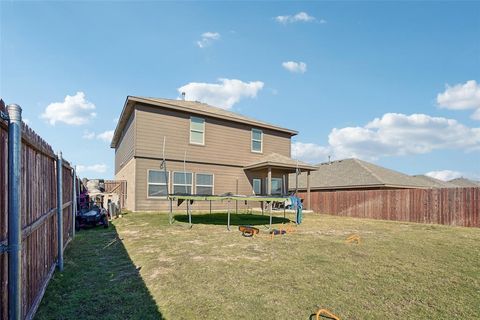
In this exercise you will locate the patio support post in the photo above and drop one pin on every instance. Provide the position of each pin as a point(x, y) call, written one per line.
point(308, 190)
point(14, 211)
point(269, 188)
point(269, 181)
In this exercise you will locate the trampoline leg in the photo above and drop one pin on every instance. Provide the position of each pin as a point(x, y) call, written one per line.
point(210, 206)
point(170, 214)
point(270, 208)
point(228, 213)
point(189, 214)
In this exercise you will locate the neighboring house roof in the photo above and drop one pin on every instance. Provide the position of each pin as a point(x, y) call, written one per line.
point(192, 107)
point(434, 183)
point(355, 173)
point(464, 182)
point(279, 161)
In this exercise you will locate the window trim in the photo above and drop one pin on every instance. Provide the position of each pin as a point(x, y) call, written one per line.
point(252, 140)
point(174, 184)
point(202, 185)
point(195, 130)
point(167, 183)
point(253, 185)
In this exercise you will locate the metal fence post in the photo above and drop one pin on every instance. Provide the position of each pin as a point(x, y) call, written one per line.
point(14, 211)
point(60, 211)
point(74, 200)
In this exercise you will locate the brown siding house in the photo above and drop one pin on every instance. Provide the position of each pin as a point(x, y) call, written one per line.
point(207, 150)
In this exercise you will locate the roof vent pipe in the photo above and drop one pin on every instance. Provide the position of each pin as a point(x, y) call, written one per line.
point(183, 96)
point(329, 161)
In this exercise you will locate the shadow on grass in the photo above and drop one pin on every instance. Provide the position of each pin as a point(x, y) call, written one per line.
point(235, 219)
point(99, 282)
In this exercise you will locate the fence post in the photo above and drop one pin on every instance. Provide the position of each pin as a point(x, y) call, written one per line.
point(14, 212)
point(74, 200)
point(60, 211)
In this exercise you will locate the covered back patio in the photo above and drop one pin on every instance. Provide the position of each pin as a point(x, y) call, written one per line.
point(269, 175)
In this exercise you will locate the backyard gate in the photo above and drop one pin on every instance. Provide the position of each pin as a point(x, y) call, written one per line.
point(119, 187)
point(31, 214)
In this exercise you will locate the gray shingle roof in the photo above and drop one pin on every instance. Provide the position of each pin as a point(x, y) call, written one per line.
point(355, 173)
point(464, 182)
point(278, 160)
point(434, 183)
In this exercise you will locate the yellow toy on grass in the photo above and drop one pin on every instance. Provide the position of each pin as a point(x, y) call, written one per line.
point(354, 238)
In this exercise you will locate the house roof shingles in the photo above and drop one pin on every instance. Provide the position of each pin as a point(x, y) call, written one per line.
point(278, 160)
point(194, 107)
point(434, 183)
point(464, 183)
point(355, 173)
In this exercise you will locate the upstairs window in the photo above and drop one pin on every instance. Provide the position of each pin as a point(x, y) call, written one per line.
point(204, 184)
point(182, 183)
point(157, 183)
point(257, 140)
point(197, 130)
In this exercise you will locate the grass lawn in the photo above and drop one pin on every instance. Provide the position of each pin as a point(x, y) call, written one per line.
point(398, 271)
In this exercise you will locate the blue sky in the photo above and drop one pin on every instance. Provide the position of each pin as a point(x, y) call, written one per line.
point(396, 83)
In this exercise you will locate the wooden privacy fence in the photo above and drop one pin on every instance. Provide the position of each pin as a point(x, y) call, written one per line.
point(38, 201)
point(449, 206)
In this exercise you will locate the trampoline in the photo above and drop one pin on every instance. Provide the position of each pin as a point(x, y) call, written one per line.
point(190, 199)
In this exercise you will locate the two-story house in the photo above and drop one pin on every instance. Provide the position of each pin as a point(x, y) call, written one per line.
point(207, 150)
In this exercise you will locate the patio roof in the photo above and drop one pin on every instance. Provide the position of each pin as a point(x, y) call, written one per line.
point(275, 160)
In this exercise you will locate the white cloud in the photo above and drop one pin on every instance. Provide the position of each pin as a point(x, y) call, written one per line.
point(89, 135)
point(444, 175)
point(224, 94)
point(94, 168)
point(106, 136)
point(115, 120)
point(310, 152)
point(461, 97)
point(207, 39)
point(400, 134)
point(74, 110)
point(295, 67)
point(393, 134)
point(299, 17)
